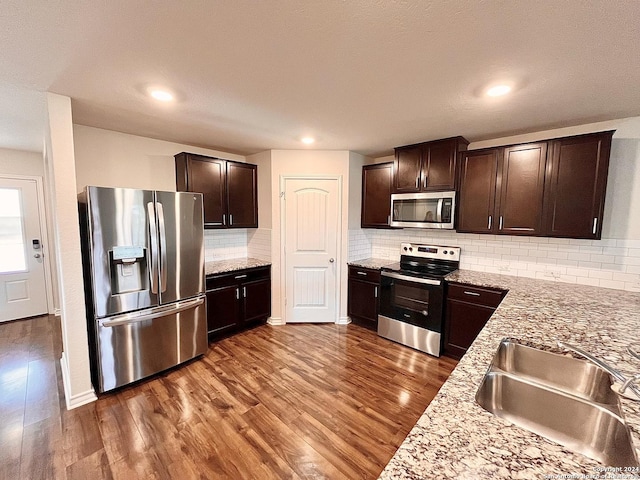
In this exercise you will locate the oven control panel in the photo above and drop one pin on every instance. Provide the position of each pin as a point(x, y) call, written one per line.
point(439, 252)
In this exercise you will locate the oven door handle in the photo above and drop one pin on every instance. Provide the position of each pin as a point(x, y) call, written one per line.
point(399, 276)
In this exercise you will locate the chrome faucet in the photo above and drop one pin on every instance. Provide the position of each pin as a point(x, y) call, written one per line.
point(626, 382)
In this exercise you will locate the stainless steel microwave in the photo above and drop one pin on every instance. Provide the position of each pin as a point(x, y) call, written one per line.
point(423, 210)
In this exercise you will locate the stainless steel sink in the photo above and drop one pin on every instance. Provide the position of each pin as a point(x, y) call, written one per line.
point(577, 377)
point(560, 398)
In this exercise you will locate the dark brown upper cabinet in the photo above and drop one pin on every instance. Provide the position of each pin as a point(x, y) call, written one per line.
point(229, 189)
point(477, 194)
point(501, 190)
point(377, 183)
point(428, 166)
point(553, 188)
point(576, 185)
point(520, 189)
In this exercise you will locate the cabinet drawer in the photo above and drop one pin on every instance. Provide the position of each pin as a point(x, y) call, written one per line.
point(368, 274)
point(237, 277)
point(479, 296)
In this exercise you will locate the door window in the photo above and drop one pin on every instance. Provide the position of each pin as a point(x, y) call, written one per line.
point(12, 242)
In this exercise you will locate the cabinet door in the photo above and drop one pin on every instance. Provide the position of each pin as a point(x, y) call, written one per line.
point(242, 194)
point(363, 300)
point(256, 297)
point(476, 205)
point(407, 169)
point(576, 187)
point(377, 183)
point(463, 323)
point(207, 176)
point(223, 312)
point(439, 170)
point(522, 189)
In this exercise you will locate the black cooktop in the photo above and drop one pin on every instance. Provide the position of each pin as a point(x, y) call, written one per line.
point(421, 268)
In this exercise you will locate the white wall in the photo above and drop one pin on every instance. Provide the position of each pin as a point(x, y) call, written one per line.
point(60, 165)
point(356, 161)
point(259, 239)
point(17, 162)
point(613, 262)
point(306, 162)
point(112, 159)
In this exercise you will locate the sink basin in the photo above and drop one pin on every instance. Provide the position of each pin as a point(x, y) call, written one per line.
point(566, 400)
point(577, 377)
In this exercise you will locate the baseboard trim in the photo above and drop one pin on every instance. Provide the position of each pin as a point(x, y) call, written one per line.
point(275, 321)
point(343, 321)
point(79, 399)
point(57, 312)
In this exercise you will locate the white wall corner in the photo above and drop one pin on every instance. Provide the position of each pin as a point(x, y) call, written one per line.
point(77, 399)
point(274, 321)
point(343, 321)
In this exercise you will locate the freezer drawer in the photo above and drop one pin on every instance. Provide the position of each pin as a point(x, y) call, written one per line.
point(133, 346)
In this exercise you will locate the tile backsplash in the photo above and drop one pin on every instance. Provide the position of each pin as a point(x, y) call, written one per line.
point(225, 244)
point(610, 263)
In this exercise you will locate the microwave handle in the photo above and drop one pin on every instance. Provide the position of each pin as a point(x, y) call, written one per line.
point(439, 210)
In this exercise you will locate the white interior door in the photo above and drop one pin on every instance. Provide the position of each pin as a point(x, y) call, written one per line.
point(311, 226)
point(22, 279)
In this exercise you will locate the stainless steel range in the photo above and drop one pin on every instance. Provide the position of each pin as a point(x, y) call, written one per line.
point(412, 296)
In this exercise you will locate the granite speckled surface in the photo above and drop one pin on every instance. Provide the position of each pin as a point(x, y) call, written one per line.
point(456, 438)
point(375, 263)
point(222, 266)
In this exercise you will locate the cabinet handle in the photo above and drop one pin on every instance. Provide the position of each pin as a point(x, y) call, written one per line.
point(417, 182)
point(500, 227)
point(244, 292)
point(362, 273)
point(474, 294)
point(237, 293)
point(490, 222)
point(375, 292)
point(224, 219)
point(230, 219)
point(237, 277)
point(388, 219)
point(595, 225)
point(425, 181)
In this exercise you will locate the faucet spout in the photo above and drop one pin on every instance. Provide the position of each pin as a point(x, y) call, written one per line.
point(627, 383)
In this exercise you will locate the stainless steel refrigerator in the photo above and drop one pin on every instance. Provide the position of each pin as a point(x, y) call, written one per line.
point(143, 260)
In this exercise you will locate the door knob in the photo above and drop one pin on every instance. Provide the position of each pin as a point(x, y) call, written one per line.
point(36, 255)
point(331, 260)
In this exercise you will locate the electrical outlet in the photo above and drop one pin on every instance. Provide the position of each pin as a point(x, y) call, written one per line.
point(551, 272)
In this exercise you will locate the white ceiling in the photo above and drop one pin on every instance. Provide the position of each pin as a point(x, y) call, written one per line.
point(361, 75)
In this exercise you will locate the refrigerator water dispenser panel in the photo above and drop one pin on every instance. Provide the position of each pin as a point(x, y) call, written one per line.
point(128, 269)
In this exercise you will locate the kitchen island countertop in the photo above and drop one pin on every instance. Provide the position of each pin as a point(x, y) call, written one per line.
point(223, 266)
point(456, 438)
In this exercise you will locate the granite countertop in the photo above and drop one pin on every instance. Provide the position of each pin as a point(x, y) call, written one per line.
point(456, 438)
point(374, 263)
point(222, 266)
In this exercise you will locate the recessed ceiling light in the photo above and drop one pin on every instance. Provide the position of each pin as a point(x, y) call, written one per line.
point(498, 90)
point(307, 140)
point(161, 95)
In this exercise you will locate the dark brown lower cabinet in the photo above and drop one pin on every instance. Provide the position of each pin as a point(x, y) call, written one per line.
point(363, 302)
point(238, 299)
point(467, 312)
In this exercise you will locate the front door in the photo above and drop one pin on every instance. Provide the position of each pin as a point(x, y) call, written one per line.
point(22, 279)
point(311, 226)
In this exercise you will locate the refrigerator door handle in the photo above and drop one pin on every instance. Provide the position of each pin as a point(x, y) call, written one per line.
point(163, 248)
point(157, 312)
point(153, 247)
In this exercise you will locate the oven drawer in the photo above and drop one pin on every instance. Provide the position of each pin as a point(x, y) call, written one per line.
point(366, 274)
point(479, 296)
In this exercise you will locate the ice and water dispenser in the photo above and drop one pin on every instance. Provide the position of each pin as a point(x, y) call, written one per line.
point(128, 265)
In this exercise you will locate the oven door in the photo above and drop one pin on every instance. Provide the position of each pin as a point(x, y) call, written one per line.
point(413, 300)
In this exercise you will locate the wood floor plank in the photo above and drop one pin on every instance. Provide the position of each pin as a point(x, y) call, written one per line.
point(294, 401)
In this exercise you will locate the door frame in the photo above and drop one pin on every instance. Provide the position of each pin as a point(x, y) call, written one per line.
point(339, 237)
point(44, 237)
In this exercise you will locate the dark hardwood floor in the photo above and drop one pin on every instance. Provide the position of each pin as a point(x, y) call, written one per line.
point(297, 401)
